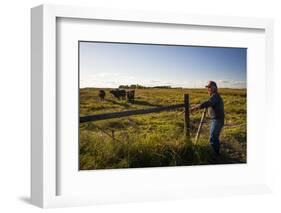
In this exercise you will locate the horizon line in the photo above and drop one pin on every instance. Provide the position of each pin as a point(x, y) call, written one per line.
point(157, 87)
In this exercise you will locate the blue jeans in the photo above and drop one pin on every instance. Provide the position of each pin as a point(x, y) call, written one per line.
point(215, 129)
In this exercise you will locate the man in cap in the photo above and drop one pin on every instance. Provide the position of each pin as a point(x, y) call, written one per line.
point(216, 111)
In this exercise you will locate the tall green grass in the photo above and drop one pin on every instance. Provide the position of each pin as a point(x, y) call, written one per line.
point(157, 139)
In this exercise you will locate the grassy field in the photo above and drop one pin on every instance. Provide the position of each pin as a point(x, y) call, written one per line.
point(156, 139)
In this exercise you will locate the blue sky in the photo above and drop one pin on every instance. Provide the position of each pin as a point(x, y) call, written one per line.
point(108, 65)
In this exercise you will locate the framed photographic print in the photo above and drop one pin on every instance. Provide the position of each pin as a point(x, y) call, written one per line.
point(130, 106)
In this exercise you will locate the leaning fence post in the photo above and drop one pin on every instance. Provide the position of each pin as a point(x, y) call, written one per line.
point(200, 126)
point(112, 131)
point(186, 116)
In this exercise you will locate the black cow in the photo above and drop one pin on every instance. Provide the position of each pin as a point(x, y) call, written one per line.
point(101, 94)
point(131, 96)
point(117, 93)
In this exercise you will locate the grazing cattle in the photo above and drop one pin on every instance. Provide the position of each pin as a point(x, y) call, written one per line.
point(131, 96)
point(101, 94)
point(117, 93)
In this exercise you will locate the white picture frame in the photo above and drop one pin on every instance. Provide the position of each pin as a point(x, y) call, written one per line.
point(44, 149)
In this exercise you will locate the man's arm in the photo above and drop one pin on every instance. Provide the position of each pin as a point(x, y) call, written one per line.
point(211, 102)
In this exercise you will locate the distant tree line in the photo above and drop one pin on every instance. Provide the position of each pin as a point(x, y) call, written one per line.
point(132, 86)
point(137, 86)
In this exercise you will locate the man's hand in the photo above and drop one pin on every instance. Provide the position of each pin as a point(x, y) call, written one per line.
point(192, 109)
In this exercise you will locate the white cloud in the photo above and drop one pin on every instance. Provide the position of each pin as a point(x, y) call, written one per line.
point(232, 83)
point(113, 80)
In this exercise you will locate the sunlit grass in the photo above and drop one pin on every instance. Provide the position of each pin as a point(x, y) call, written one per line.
point(157, 139)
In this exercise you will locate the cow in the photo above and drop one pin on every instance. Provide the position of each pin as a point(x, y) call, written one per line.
point(117, 93)
point(101, 94)
point(131, 96)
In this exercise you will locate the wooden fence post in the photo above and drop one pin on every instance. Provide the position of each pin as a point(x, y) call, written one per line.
point(186, 116)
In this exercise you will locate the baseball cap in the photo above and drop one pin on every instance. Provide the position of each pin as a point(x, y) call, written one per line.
point(211, 84)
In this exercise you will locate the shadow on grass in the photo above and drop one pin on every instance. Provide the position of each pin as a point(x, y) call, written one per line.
point(207, 156)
